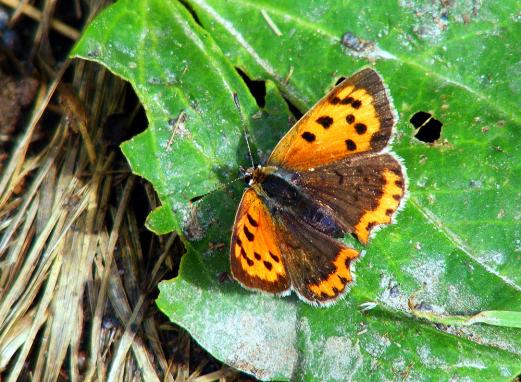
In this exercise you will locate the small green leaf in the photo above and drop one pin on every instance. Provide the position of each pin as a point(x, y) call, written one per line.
point(456, 247)
point(490, 317)
point(161, 220)
point(498, 318)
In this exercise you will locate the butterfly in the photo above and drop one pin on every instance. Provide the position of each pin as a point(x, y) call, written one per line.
point(331, 174)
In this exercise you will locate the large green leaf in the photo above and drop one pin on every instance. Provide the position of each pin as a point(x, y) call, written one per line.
point(456, 247)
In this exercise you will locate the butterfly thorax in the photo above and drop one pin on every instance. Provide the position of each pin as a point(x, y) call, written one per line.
point(276, 187)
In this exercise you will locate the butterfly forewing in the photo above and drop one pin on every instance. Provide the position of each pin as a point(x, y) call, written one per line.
point(355, 117)
point(255, 256)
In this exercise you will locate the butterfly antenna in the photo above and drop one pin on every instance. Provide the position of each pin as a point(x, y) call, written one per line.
point(222, 186)
point(243, 125)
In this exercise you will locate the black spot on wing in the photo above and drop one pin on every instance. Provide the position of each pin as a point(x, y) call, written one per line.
point(308, 137)
point(325, 121)
point(252, 221)
point(360, 128)
point(275, 257)
point(350, 144)
point(250, 236)
point(356, 104)
point(334, 100)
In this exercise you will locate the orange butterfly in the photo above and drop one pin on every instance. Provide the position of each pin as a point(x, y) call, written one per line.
point(331, 174)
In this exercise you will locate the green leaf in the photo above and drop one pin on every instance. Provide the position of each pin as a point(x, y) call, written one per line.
point(161, 221)
point(456, 247)
point(490, 317)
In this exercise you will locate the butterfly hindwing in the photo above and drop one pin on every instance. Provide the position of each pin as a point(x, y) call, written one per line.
point(255, 255)
point(362, 192)
point(319, 267)
point(355, 117)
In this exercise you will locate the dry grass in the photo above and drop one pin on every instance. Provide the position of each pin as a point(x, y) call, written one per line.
point(78, 274)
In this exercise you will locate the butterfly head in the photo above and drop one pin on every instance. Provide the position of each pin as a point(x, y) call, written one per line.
point(255, 175)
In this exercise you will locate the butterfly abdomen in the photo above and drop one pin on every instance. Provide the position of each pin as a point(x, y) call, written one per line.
point(285, 197)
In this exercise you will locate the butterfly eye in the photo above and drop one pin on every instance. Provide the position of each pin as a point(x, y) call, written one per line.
point(248, 174)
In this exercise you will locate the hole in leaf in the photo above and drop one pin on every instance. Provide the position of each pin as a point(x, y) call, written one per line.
point(429, 132)
point(293, 109)
point(339, 81)
point(116, 129)
point(191, 10)
point(428, 128)
point(257, 88)
point(122, 125)
point(419, 118)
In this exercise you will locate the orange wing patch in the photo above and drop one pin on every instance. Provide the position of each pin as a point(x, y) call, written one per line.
point(355, 117)
point(255, 258)
point(393, 192)
point(336, 282)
